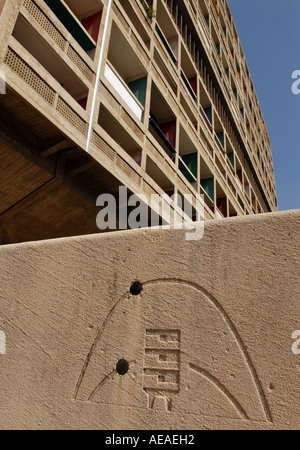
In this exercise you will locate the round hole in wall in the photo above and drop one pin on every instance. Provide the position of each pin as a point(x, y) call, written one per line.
point(122, 366)
point(136, 288)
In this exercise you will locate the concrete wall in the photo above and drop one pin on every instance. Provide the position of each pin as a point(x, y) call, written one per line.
point(2, 2)
point(208, 341)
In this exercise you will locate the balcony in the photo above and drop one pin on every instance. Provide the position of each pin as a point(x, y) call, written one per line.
point(166, 43)
point(26, 76)
point(123, 91)
point(81, 19)
point(162, 121)
point(53, 59)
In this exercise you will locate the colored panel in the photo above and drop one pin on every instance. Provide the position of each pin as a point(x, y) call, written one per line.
point(193, 83)
point(83, 102)
point(138, 88)
point(208, 112)
point(208, 186)
point(71, 24)
point(191, 162)
point(169, 130)
point(166, 43)
point(92, 25)
point(231, 158)
point(222, 206)
point(158, 130)
point(220, 135)
point(188, 85)
point(240, 175)
point(123, 91)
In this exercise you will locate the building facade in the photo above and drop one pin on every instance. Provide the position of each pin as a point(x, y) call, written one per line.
point(155, 96)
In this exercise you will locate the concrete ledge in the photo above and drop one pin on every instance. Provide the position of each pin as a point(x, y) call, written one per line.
point(208, 340)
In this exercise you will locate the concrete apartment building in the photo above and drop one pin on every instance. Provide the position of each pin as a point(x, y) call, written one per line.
point(155, 96)
point(140, 330)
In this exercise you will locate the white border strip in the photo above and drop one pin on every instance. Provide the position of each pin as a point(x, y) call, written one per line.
point(89, 135)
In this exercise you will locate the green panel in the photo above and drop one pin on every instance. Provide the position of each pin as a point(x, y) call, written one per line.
point(231, 158)
point(71, 24)
point(138, 88)
point(208, 186)
point(191, 161)
point(166, 43)
point(220, 135)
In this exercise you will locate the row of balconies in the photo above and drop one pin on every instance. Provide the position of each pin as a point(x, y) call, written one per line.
point(42, 87)
point(157, 129)
point(72, 110)
point(235, 85)
point(239, 119)
point(186, 83)
point(251, 109)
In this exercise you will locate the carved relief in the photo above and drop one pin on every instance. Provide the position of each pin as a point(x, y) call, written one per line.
point(185, 355)
point(161, 365)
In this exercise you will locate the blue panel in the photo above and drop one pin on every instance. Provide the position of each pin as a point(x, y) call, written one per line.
point(208, 112)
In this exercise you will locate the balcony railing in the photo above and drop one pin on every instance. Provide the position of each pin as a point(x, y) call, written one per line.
point(72, 24)
point(160, 133)
point(188, 85)
point(39, 17)
point(30, 79)
point(123, 91)
point(165, 43)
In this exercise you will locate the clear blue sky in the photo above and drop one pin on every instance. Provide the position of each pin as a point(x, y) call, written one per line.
point(269, 32)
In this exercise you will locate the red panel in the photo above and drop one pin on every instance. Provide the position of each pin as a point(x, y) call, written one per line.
point(92, 25)
point(83, 102)
point(169, 130)
point(170, 193)
point(239, 174)
point(222, 206)
point(193, 83)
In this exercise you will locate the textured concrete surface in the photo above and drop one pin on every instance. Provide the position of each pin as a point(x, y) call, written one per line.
point(208, 341)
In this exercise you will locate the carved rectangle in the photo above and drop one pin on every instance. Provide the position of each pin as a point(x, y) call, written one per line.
point(161, 361)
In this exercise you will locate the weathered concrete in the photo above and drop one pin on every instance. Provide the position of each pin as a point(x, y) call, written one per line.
point(208, 341)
